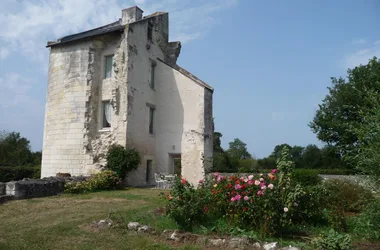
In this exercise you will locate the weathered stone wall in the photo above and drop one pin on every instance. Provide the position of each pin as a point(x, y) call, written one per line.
point(141, 54)
point(65, 110)
point(34, 188)
point(181, 123)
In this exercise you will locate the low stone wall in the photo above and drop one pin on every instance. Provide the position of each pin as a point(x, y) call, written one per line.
point(31, 188)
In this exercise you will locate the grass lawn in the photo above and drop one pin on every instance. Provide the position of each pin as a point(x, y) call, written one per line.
point(63, 222)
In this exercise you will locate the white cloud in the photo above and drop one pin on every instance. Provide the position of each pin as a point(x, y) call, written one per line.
point(359, 41)
point(362, 55)
point(28, 25)
point(4, 52)
point(14, 90)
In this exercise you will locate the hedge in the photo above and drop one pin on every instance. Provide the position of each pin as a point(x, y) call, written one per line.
point(307, 177)
point(18, 173)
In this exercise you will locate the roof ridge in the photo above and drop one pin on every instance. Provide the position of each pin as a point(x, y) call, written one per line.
point(98, 28)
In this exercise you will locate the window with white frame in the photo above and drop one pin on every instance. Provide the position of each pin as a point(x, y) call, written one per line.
point(108, 66)
point(106, 114)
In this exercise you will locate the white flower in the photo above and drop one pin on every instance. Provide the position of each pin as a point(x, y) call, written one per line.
point(286, 209)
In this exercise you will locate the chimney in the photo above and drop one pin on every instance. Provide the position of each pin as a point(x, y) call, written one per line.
point(131, 14)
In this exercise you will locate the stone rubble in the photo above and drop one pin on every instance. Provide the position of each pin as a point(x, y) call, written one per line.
point(232, 243)
point(133, 226)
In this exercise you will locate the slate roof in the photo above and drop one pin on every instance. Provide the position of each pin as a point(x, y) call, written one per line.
point(115, 26)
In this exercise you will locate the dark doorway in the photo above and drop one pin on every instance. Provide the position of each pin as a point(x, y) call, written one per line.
point(148, 170)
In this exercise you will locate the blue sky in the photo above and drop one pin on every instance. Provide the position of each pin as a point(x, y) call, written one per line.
point(270, 62)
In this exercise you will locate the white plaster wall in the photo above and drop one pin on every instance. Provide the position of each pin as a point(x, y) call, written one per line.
point(65, 110)
point(139, 95)
point(180, 123)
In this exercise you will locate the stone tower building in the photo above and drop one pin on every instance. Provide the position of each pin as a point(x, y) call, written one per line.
point(120, 84)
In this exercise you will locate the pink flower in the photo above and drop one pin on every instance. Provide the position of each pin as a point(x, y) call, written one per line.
point(262, 184)
point(274, 171)
point(216, 174)
point(270, 186)
point(295, 204)
point(251, 182)
point(237, 186)
point(261, 179)
point(286, 209)
point(263, 187)
point(250, 177)
point(260, 193)
point(233, 199)
point(200, 181)
point(246, 198)
point(238, 197)
point(219, 178)
point(257, 182)
point(261, 174)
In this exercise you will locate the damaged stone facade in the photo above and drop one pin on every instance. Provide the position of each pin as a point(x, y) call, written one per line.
point(75, 140)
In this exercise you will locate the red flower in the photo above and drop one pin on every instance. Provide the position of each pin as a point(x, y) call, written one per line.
point(244, 208)
point(205, 209)
point(183, 181)
point(237, 182)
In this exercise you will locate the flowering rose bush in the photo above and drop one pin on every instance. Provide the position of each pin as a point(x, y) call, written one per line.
point(265, 202)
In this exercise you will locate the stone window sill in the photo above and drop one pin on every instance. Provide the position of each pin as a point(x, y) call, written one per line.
point(105, 130)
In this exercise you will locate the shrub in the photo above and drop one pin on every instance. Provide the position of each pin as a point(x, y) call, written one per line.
point(347, 195)
point(122, 161)
point(367, 224)
point(307, 177)
point(105, 180)
point(18, 173)
point(263, 202)
point(186, 205)
point(333, 240)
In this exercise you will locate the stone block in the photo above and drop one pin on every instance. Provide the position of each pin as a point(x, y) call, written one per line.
point(2, 188)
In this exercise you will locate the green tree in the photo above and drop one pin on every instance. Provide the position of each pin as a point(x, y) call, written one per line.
point(343, 118)
point(238, 150)
point(312, 157)
point(221, 160)
point(14, 149)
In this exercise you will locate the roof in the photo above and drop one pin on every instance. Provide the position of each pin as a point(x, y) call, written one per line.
point(188, 74)
point(112, 27)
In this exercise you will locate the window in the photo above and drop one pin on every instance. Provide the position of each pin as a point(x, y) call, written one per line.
point(108, 66)
point(148, 170)
point(106, 114)
point(151, 119)
point(152, 67)
point(150, 31)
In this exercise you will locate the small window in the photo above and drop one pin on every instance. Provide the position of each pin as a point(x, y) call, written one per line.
point(108, 66)
point(150, 32)
point(152, 68)
point(106, 114)
point(148, 170)
point(151, 120)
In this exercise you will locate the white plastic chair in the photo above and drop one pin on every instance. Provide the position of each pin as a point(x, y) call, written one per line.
point(158, 180)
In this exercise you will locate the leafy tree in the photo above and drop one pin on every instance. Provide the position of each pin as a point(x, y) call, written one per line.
point(221, 160)
point(14, 149)
point(311, 157)
point(277, 152)
point(238, 150)
point(347, 116)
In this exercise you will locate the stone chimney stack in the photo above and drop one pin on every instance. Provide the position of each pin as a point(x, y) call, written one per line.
point(131, 14)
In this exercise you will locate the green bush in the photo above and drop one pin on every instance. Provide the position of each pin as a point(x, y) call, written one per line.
point(307, 177)
point(187, 205)
point(347, 195)
point(18, 173)
point(337, 171)
point(367, 224)
point(332, 240)
point(264, 202)
point(122, 161)
point(105, 180)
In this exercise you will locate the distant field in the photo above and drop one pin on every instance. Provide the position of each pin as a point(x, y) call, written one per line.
point(63, 222)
